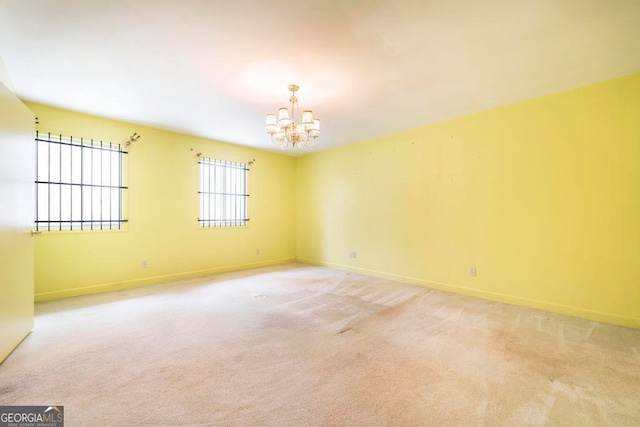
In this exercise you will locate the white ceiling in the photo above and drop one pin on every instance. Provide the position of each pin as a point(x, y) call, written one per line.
point(366, 68)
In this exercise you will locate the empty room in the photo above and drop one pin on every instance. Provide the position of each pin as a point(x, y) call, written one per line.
point(319, 213)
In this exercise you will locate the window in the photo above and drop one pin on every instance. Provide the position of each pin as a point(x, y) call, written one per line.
point(79, 184)
point(223, 193)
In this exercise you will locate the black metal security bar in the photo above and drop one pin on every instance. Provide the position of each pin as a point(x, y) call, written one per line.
point(79, 184)
point(223, 193)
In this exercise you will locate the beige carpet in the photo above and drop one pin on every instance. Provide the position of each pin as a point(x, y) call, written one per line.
point(298, 345)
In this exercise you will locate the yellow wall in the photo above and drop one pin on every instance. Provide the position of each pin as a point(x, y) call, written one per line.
point(543, 197)
point(162, 210)
point(16, 214)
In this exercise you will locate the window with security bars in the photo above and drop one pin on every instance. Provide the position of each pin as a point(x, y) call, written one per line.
point(79, 184)
point(223, 193)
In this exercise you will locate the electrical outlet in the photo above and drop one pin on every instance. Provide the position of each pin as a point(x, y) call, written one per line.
point(144, 263)
point(257, 251)
point(472, 270)
point(352, 254)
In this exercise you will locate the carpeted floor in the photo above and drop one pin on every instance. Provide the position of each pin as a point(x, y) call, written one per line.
point(299, 345)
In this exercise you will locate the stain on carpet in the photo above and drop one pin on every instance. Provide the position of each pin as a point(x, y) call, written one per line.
point(347, 331)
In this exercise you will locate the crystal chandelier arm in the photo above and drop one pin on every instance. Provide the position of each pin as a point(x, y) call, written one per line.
point(278, 138)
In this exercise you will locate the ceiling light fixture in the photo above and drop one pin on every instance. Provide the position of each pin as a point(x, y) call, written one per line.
point(284, 130)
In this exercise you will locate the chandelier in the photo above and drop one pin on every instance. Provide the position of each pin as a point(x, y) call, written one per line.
point(284, 131)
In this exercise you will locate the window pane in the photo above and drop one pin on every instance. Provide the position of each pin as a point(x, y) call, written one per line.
point(76, 159)
point(43, 162)
point(54, 163)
